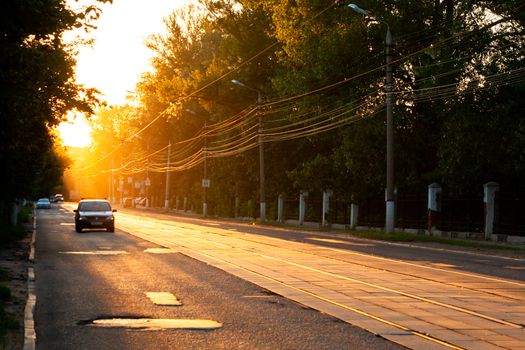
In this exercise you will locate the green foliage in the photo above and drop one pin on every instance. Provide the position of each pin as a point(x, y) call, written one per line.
point(7, 321)
point(25, 214)
point(410, 237)
point(456, 122)
point(5, 293)
point(9, 233)
point(38, 89)
point(4, 275)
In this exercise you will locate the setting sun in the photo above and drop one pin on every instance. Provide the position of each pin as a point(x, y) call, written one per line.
point(75, 132)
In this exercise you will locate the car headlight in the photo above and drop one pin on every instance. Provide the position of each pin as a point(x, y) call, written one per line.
point(82, 218)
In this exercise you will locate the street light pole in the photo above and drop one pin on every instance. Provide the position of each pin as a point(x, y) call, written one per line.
point(390, 199)
point(167, 199)
point(205, 181)
point(389, 196)
point(205, 185)
point(262, 194)
point(112, 199)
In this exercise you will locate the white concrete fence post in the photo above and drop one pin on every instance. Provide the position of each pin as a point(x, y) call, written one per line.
point(280, 208)
point(326, 208)
point(489, 199)
point(250, 209)
point(236, 208)
point(14, 210)
point(302, 206)
point(434, 206)
point(354, 215)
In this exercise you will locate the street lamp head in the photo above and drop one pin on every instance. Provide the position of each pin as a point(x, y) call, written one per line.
point(358, 9)
point(236, 82)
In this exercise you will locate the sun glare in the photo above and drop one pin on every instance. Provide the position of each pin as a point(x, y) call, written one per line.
point(75, 132)
point(119, 54)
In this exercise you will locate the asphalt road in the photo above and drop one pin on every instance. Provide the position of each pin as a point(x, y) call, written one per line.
point(81, 277)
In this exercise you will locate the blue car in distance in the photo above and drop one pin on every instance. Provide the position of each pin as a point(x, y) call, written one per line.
point(43, 203)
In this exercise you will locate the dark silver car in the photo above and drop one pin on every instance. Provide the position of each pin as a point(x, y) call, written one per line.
point(94, 213)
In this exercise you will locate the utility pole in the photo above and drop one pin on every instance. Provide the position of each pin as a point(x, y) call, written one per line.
point(205, 183)
point(389, 195)
point(261, 159)
point(112, 199)
point(167, 199)
point(262, 196)
point(390, 200)
point(147, 181)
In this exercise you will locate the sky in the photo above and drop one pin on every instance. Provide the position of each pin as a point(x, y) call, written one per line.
point(119, 55)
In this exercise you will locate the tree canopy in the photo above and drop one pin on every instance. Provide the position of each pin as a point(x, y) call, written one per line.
point(458, 69)
point(37, 76)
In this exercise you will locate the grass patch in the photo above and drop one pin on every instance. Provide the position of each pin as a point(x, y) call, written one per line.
point(410, 237)
point(10, 234)
point(403, 237)
point(7, 320)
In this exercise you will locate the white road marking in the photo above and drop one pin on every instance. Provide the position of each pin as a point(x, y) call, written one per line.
point(163, 298)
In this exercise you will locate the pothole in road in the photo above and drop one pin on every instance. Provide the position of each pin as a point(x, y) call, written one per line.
point(160, 251)
point(151, 324)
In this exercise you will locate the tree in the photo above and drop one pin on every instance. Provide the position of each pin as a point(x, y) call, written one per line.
point(38, 88)
point(457, 69)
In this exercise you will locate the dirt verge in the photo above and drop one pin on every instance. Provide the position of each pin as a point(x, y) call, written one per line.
point(14, 261)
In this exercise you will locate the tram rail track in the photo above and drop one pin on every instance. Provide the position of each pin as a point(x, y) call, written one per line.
point(167, 238)
point(371, 256)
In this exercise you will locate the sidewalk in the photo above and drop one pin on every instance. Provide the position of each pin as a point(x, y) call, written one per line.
point(399, 238)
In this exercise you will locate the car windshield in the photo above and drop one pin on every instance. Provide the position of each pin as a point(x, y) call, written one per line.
point(94, 206)
point(43, 200)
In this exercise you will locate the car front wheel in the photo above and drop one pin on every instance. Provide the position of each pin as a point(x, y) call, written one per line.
point(78, 228)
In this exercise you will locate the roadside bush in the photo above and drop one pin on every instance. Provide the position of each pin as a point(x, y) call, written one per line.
point(5, 293)
point(25, 214)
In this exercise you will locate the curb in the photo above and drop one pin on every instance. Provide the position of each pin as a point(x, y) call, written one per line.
point(29, 322)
